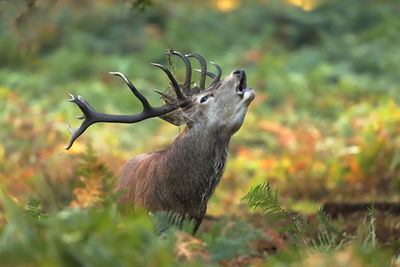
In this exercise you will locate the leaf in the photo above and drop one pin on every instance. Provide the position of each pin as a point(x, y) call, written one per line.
point(264, 198)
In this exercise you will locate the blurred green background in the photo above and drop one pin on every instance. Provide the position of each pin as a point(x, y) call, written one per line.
point(325, 124)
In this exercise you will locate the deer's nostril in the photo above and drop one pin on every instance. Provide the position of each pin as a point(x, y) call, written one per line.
point(237, 72)
point(240, 73)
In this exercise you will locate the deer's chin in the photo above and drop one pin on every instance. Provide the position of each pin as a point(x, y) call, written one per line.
point(248, 95)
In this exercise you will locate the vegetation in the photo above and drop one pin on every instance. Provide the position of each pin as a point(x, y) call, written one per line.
point(324, 127)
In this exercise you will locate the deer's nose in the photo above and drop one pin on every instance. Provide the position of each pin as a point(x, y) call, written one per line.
point(239, 73)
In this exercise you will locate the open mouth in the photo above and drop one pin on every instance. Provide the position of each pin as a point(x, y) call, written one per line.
point(242, 86)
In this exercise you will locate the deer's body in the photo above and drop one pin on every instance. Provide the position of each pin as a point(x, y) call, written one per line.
point(183, 177)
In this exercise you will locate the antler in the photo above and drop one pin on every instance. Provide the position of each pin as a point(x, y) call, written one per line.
point(215, 77)
point(209, 73)
point(175, 84)
point(203, 71)
point(218, 76)
point(203, 65)
point(188, 76)
point(91, 116)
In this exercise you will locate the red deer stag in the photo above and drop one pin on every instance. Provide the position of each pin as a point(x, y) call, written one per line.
point(183, 177)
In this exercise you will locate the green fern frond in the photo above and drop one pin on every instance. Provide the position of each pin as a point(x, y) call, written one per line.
point(34, 210)
point(169, 220)
point(264, 198)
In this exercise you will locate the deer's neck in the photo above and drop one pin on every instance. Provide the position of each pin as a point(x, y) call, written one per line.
point(200, 157)
point(198, 147)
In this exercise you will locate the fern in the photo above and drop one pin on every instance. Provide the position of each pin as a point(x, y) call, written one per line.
point(264, 198)
point(91, 168)
point(171, 221)
point(34, 210)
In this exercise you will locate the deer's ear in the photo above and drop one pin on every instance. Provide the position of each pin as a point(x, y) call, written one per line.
point(176, 117)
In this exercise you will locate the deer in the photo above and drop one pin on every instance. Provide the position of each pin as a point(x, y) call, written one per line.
point(183, 177)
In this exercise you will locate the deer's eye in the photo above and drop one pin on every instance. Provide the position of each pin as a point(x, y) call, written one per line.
point(204, 98)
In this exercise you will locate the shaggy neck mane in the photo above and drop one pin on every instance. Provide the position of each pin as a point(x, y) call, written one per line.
point(203, 165)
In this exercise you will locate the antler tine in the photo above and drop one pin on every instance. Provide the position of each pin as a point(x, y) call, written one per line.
point(87, 110)
point(188, 66)
point(139, 95)
point(218, 76)
point(203, 65)
point(166, 97)
point(209, 73)
point(175, 84)
point(91, 116)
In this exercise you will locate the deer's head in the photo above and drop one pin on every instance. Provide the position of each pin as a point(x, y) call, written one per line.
point(221, 106)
